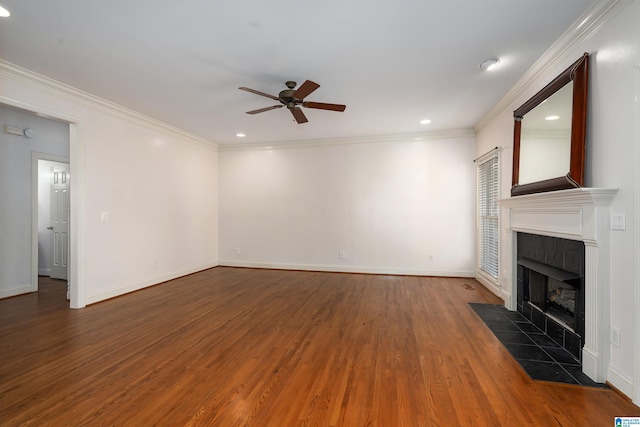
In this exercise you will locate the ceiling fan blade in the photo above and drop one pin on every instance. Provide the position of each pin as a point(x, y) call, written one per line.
point(299, 115)
point(304, 90)
point(262, 110)
point(323, 106)
point(257, 92)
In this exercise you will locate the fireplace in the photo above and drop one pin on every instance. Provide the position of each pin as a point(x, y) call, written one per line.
point(580, 215)
point(550, 282)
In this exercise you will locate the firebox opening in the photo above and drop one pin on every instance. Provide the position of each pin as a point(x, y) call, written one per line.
point(554, 297)
point(550, 288)
point(556, 294)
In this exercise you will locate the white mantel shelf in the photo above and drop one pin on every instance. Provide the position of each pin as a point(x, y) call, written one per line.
point(576, 196)
point(577, 214)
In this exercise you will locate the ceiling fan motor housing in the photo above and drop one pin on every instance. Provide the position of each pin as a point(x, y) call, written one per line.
point(287, 98)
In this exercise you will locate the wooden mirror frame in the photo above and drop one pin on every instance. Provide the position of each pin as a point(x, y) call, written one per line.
point(578, 73)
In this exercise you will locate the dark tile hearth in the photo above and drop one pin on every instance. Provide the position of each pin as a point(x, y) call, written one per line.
point(540, 357)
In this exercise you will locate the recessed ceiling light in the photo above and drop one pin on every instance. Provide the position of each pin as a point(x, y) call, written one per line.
point(4, 13)
point(489, 64)
point(425, 122)
point(240, 135)
point(552, 117)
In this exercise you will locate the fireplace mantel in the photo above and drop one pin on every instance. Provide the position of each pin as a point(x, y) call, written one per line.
point(577, 214)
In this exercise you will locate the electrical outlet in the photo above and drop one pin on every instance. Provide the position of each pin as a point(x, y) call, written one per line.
point(155, 263)
point(615, 337)
point(341, 255)
point(237, 251)
point(430, 257)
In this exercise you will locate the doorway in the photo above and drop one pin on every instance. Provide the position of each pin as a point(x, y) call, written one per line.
point(56, 134)
point(25, 136)
point(52, 211)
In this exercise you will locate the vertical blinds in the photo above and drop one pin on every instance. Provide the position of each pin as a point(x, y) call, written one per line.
point(488, 189)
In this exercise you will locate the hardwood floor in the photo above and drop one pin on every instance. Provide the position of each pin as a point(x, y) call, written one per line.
point(236, 347)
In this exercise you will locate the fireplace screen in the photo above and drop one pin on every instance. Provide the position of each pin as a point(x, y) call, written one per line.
point(554, 291)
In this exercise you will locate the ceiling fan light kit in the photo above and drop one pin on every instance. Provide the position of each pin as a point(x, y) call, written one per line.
point(294, 98)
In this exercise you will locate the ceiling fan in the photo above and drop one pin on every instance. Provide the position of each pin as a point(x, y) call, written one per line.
point(293, 99)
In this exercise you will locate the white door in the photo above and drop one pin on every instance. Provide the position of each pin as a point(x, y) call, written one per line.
point(60, 222)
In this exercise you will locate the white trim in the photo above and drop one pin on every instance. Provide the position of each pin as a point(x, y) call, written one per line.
point(77, 278)
point(489, 283)
point(77, 201)
point(635, 395)
point(77, 148)
point(42, 111)
point(560, 52)
point(125, 289)
point(495, 152)
point(46, 84)
point(620, 381)
point(18, 290)
point(345, 269)
point(579, 214)
point(17, 73)
point(372, 139)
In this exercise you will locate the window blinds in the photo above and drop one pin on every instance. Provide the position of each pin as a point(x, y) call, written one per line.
point(488, 194)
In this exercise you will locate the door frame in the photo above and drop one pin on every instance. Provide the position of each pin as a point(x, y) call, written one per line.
point(35, 157)
point(76, 185)
point(635, 395)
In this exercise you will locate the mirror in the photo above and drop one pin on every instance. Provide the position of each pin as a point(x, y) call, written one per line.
point(545, 138)
point(549, 134)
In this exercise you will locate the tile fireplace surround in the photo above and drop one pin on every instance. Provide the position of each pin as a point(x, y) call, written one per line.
point(576, 214)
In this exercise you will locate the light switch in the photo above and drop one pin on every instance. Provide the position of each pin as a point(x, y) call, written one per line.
point(617, 221)
point(104, 216)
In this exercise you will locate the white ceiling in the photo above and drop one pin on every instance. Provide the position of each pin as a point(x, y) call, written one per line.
point(392, 62)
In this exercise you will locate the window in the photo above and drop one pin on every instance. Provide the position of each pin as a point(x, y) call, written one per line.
point(488, 195)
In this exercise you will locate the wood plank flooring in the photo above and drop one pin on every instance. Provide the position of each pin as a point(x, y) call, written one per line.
point(245, 347)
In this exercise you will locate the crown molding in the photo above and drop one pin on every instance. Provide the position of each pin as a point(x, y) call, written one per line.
point(372, 139)
point(43, 83)
point(560, 52)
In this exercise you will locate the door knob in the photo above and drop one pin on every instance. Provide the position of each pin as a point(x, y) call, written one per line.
point(50, 227)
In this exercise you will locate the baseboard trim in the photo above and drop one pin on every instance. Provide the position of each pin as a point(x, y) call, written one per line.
point(122, 290)
point(620, 381)
point(493, 287)
point(44, 272)
point(506, 296)
point(344, 269)
point(19, 290)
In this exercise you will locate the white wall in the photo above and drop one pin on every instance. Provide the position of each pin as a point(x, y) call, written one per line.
point(51, 137)
point(158, 185)
point(387, 205)
point(613, 160)
point(160, 194)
